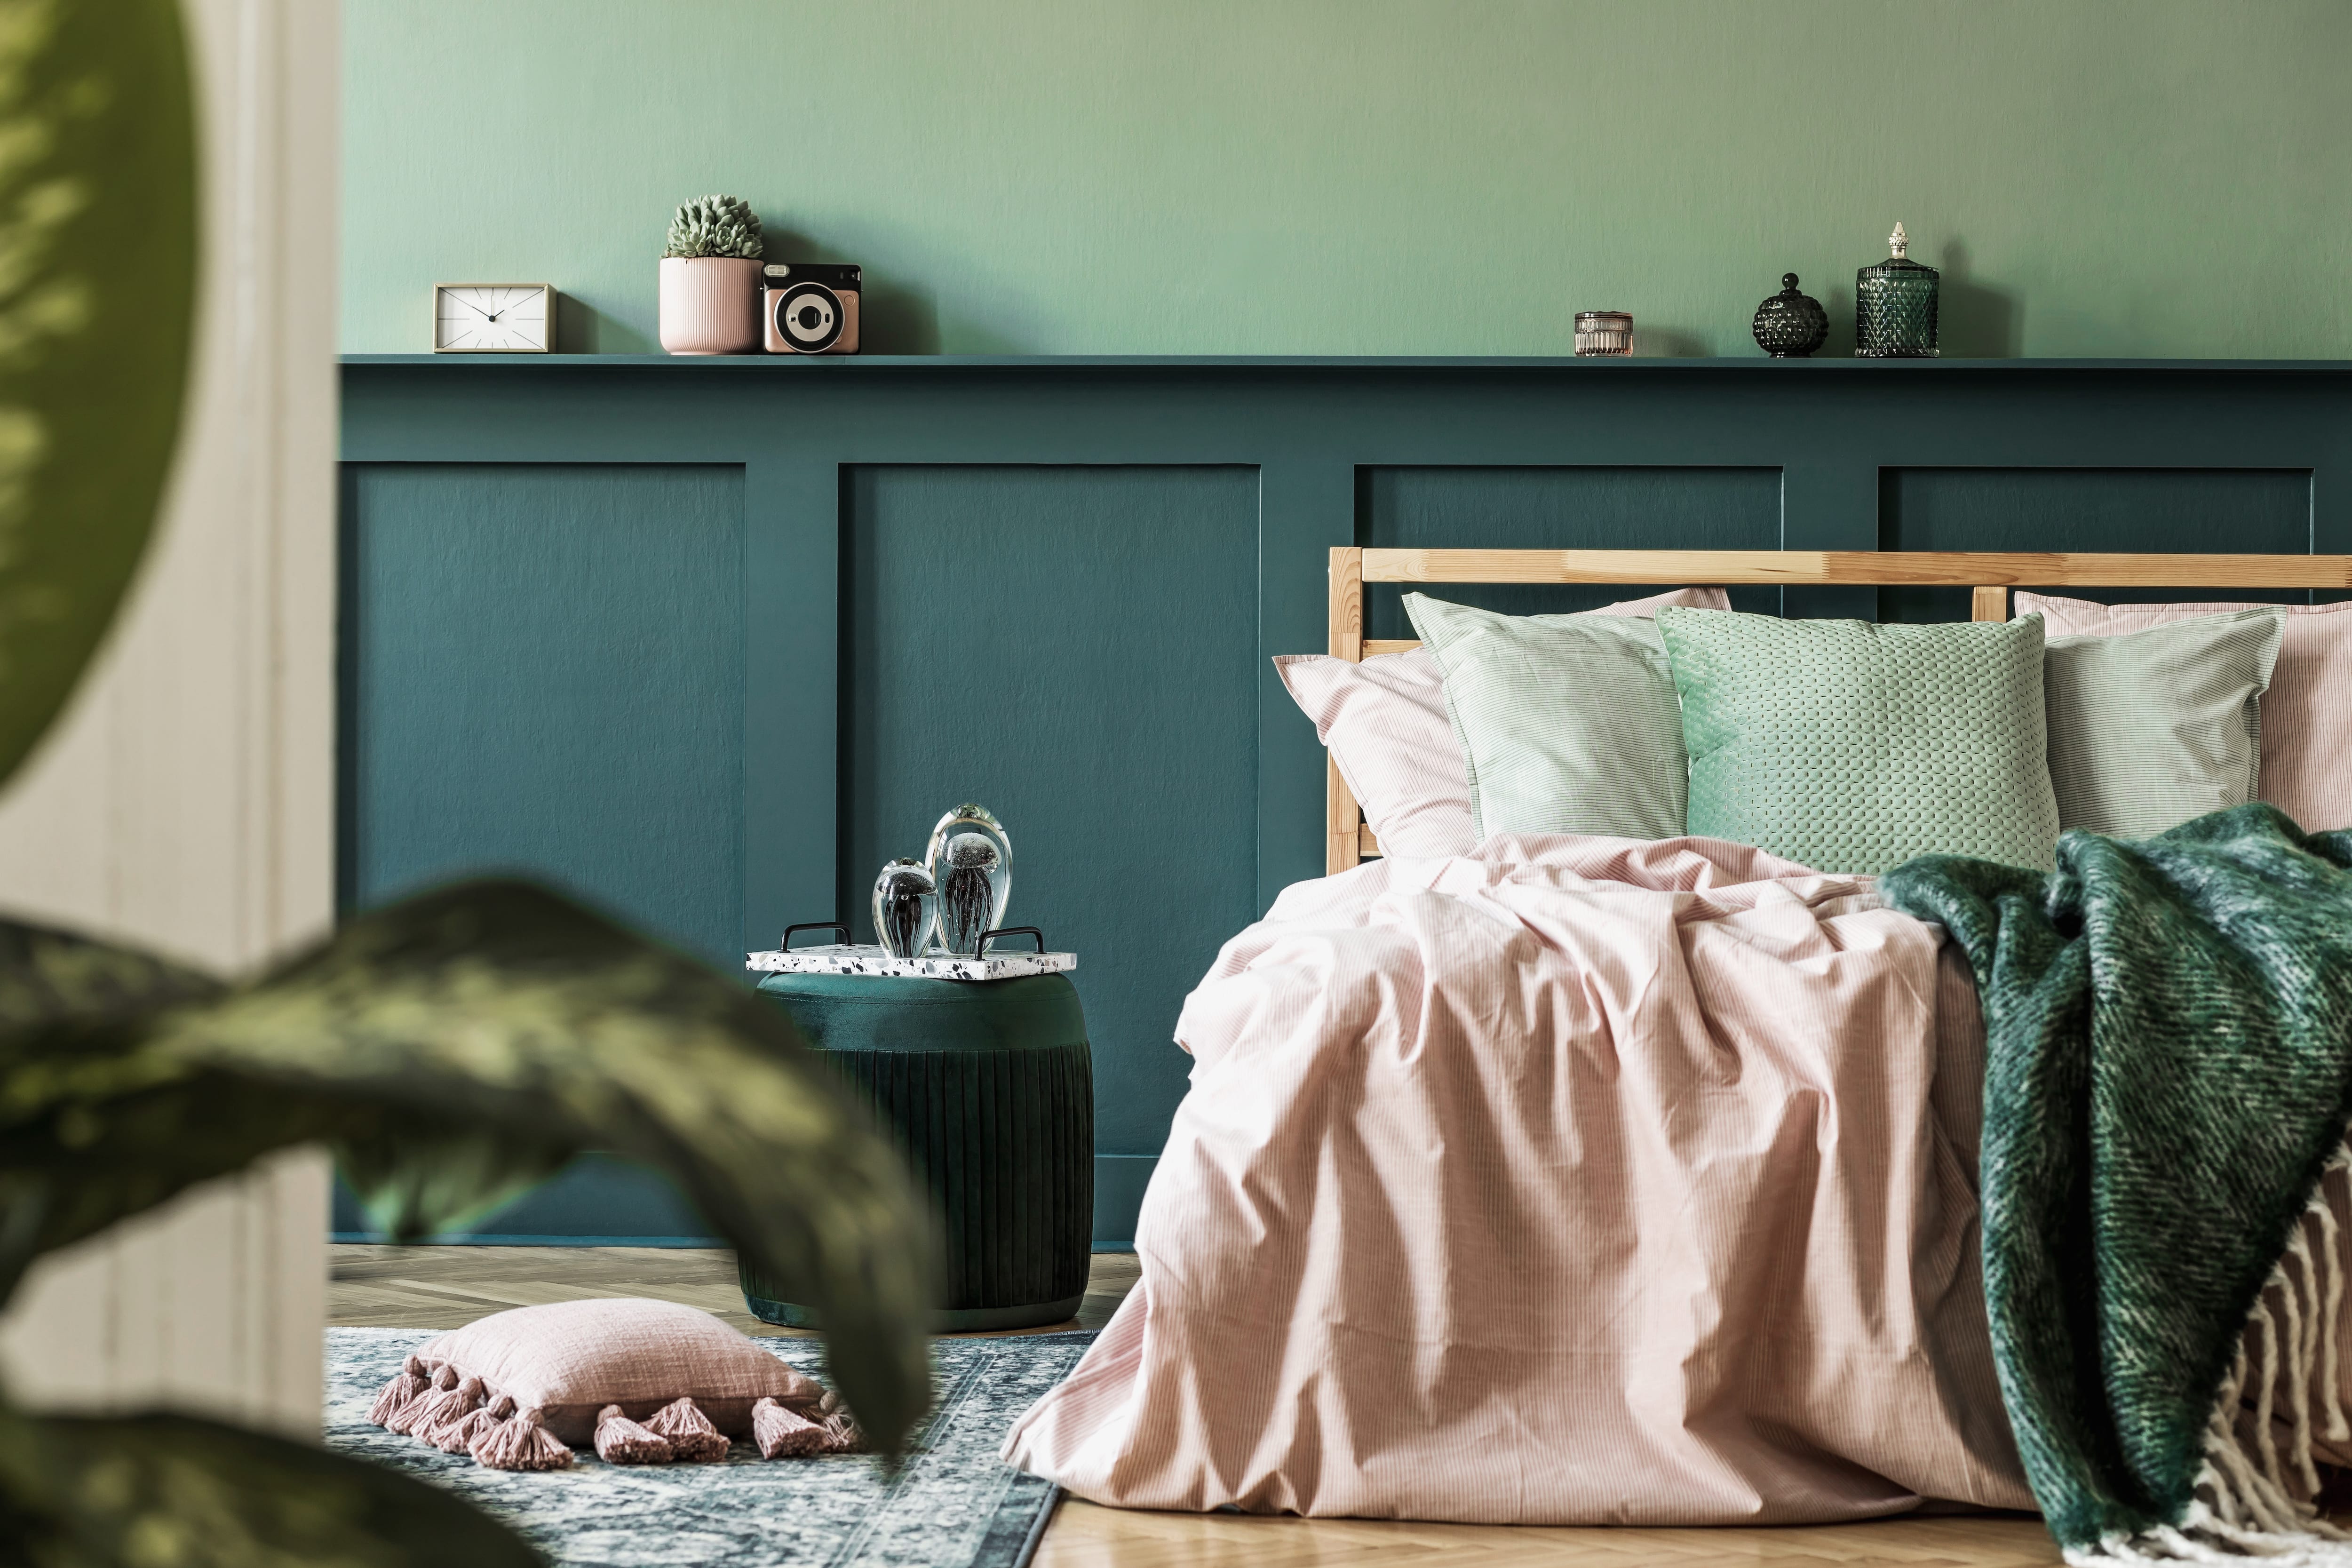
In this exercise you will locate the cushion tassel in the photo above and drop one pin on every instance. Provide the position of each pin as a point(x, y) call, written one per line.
point(842, 1436)
point(520, 1443)
point(621, 1441)
point(410, 1381)
point(462, 1407)
point(841, 1433)
point(461, 1437)
point(691, 1438)
point(784, 1433)
point(406, 1419)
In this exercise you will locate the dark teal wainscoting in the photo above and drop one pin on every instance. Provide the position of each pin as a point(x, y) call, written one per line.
point(706, 640)
point(1075, 648)
point(544, 672)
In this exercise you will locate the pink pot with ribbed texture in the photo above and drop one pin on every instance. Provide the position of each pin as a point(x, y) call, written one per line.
point(709, 304)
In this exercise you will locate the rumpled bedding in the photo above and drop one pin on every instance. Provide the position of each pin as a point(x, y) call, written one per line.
point(1580, 1181)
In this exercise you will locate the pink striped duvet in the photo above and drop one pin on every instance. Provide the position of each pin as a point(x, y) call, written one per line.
point(1581, 1182)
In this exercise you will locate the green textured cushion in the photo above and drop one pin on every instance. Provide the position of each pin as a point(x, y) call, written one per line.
point(1568, 723)
point(2154, 727)
point(1850, 746)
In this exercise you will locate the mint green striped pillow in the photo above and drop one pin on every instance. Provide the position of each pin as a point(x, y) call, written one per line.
point(1851, 746)
point(2150, 728)
point(1568, 723)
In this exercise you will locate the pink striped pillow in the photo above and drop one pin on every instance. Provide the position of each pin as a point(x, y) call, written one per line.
point(2306, 768)
point(1386, 723)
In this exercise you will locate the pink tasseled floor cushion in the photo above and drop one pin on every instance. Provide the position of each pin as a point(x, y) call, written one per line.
point(648, 1383)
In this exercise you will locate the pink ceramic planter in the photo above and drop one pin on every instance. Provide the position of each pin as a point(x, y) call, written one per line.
point(709, 304)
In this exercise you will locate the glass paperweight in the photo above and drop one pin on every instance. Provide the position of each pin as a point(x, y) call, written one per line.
point(905, 907)
point(1603, 333)
point(970, 861)
point(1894, 306)
point(1791, 325)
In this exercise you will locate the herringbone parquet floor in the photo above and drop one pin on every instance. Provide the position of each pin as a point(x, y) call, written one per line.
point(443, 1286)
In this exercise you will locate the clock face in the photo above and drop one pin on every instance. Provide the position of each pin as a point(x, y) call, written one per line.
point(492, 318)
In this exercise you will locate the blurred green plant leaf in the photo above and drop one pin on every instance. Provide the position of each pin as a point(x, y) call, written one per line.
point(454, 1049)
point(174, 1491)
point(97, 272)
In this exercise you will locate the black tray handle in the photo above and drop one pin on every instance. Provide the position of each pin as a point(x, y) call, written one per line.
point(815, 925)
point(1009, 930)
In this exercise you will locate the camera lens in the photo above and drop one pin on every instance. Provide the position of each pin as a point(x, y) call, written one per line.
point(808, 316)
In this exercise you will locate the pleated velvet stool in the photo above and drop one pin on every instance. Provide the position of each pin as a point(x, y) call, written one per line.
point(988, 1086)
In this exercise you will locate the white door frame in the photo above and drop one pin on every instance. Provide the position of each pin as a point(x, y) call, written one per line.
point(187, 799)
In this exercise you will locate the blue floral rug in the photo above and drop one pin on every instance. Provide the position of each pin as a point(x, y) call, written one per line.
point(953, 1505)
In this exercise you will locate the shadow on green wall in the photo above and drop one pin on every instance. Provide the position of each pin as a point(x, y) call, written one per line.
point(896, 313)
point(1668, 342)
point(581, 329)
point(1975, 321)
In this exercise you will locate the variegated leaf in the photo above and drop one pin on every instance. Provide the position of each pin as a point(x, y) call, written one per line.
point(173, 1491)
point(464, 1043)
point(97, 265)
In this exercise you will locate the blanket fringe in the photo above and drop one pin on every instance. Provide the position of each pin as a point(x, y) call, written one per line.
point(2252, 1501)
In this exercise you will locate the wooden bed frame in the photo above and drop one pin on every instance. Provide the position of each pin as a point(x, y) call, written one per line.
point(1347, 841)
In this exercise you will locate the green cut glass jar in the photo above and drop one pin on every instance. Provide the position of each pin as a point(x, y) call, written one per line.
point(1894, 306)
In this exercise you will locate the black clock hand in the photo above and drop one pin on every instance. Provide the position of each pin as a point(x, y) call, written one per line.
point(475, 309)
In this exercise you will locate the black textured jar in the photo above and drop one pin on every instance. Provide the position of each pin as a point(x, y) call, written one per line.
point(1894, 306)
point(987, 1087)
point(1791, 325)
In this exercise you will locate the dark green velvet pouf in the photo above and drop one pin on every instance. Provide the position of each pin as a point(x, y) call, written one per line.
point(988, 1087)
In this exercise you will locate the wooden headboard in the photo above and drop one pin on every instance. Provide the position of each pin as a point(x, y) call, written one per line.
point(1348, 840)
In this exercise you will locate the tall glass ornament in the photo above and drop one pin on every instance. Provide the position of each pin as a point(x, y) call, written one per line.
point(1894, 306)
point(906, 907)
point(969, 858)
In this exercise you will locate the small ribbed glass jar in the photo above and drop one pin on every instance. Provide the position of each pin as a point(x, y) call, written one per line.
point(1894, 306)
point(1603, 333)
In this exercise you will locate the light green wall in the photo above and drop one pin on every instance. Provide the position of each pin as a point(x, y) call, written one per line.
point(2163, 177)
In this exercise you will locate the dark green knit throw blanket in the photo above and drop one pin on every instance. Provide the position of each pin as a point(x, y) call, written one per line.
point(2168, 1074)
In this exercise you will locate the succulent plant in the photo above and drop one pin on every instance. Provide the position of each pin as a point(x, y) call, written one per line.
point(716, 225)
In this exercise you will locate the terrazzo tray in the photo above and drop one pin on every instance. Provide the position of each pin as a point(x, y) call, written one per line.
point(834, 959)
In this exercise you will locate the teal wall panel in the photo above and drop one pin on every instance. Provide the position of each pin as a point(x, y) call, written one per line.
point(1585, 508)
point(545, 672)
point(2097, 509)
point(1074, 648)
point(597, 1200)
point(1120, 1184)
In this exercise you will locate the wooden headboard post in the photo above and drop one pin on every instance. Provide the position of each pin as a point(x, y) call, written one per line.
point(1988, 575)
point(1343, 822)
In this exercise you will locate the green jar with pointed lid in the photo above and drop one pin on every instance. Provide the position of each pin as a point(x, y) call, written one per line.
point(1894, 306)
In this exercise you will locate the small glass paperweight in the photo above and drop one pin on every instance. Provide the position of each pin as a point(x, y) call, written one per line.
point(970, 861)
point(1603, 334)
point(905, 907)
point(1894, 306)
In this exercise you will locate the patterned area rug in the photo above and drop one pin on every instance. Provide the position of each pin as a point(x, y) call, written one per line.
point(954, 1504)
